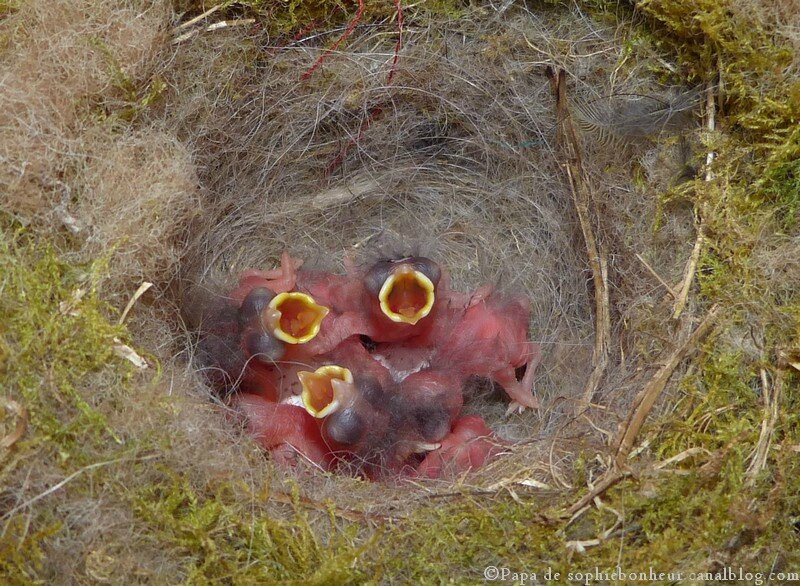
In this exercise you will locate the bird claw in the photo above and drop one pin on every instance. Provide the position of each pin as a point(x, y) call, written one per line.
point(514, 407)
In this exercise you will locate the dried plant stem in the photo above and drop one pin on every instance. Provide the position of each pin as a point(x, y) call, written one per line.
point(348, 31)
point(21, 425)
point(772, 398)
point(143, 288)
point(610, 479)
point(652, 271)
point(647, 397)
point(200, 17)
point(641, 409)
point(688, 274)
point(348, 514)
point(585, 206)
point(691, 265)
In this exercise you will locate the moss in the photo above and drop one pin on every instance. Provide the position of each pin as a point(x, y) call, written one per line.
point(21, 553)
point(55, 325)
point(61, 334)
point(134, 97)
point(218, 539)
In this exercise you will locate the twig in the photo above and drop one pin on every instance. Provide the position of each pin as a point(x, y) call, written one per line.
point(691, 265)
point(652, 271)
point(585, 207)
point(611, 478)
point(213, 27)
point(200, 17)
point(139, 292)
point(377, 110)
point(399, 44)
point(647, 397)
point(772, 398)
point(22, 422)
point(642, 405)
point(349, 514)
point(688, 274)
point(69, 479)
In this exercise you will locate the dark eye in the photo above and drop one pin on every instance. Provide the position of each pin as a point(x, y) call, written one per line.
point(344, 427)
point(252, 306)
point(263, 347)
point(427, 267)
point(377, 275)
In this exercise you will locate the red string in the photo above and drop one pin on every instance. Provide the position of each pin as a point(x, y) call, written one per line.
point(348, 31)
point(376, 111)
point(398, 45)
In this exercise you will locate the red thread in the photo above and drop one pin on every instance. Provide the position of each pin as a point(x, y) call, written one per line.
point(399, 44)
point(348, 31)
point(377, 110)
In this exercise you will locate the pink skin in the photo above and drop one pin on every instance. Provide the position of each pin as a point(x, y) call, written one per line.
point(346, 298)
point(480, 334)
point(468, 446)
point(490, 339)
point(285, 430)
point(279, 280)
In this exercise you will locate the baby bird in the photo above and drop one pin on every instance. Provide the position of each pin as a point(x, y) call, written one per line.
point(467, 447)
point(284, 430)
point(390, 301)
point(347, 394)
point(402, 297)
point(490, 339)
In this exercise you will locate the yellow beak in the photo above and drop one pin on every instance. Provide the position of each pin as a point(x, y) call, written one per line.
point(407, 295)
point(294, 317)
point(324, 389)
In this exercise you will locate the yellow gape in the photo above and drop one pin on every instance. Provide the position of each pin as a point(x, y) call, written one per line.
point(325, 390)
point(407, 295)
point(294, 318)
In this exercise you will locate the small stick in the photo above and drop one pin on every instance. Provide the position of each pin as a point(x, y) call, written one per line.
point(22, 422)
point(348, 31)
point(647, 397)
point(213, 27)
point(772, 400)
point(669, 289)
point(688, 275)
point(399, 44)
point(611, 478)
point(349, 514)
point(691, 265)
point(200, 17)
point(585, 206)
point(642, 406)
point(139, 292)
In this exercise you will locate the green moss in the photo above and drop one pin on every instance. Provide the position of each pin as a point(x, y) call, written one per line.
point(60, 334)
point(21, 553)
point(58, 330)
point(217, 538)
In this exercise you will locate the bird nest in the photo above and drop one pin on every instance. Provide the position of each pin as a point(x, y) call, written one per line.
point(538, 150)
point(482, 146)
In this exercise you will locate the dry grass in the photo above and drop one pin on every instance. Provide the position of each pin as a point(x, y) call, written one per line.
point(182, 164)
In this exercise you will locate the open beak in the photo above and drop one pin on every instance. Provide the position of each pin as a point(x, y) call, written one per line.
point(407, 295)
point(407, 448)
point(326, 389)
point(294, 317)
point(422, 447)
